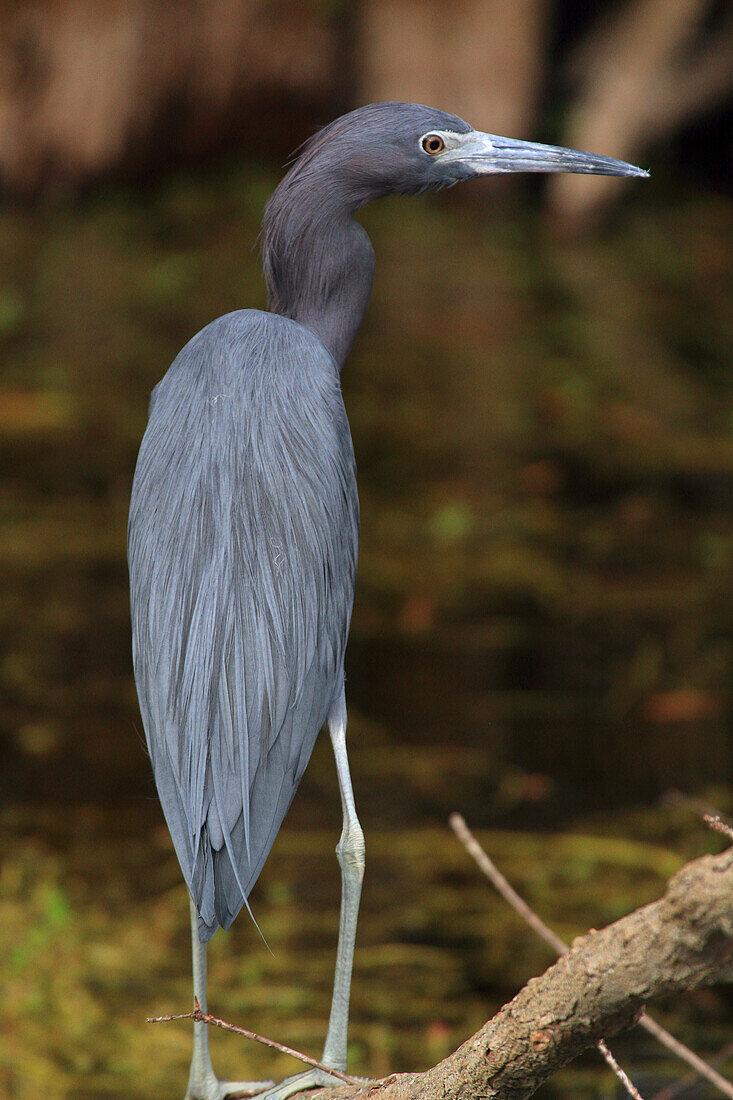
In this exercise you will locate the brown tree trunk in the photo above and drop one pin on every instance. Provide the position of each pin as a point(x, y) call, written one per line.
point(640, 76)
point(82, 82)
point(482, 59)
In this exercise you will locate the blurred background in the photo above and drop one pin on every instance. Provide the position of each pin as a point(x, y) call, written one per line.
point(540, 400)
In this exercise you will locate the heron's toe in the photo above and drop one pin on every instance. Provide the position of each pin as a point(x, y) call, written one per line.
point(213, 1089)
point(241, 1090)
point(311, 1079)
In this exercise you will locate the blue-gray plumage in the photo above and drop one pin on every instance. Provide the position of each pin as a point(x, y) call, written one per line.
point(244, 526)
point(248, 565)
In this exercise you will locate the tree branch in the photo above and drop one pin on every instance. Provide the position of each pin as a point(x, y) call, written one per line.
point(200, 1017)
point(492, 872)
point(507, 891)
point(683, 941)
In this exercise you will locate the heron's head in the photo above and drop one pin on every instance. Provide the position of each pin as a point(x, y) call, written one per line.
point(405, 148)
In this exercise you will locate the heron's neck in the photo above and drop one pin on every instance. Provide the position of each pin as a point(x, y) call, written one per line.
point(319, 264)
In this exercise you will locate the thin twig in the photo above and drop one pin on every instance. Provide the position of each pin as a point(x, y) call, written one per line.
point(694, 805)
point(200, 1017)
point(669, 1092)
point(716, 822)
point(701, 1067)
point(507, 891)
point(492, 872)
point(474, 849)
point(620, 1073)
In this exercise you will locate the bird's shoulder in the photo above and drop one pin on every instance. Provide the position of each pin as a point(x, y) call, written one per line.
point(256, 395)
point(258, 331)
point(253, 351)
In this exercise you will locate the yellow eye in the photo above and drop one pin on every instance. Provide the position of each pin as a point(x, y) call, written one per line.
point(432, 143)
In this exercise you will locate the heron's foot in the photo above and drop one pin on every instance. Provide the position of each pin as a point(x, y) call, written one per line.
point(209, 1087)
point(311, 1079)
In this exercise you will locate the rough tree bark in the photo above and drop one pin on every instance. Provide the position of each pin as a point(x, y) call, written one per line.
point(683, 941)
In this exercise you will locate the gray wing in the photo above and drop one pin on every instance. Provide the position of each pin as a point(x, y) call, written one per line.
point(242, 549)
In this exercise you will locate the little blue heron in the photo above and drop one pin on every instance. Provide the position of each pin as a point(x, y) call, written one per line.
point(244, 528)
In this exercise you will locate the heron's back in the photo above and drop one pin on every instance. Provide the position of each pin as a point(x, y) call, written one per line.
point(242, 550)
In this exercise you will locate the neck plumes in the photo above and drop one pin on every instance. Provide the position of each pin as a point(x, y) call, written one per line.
point(318, 261)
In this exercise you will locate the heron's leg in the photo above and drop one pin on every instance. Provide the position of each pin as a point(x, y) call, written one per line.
point(350, 853)
point(203, 1084)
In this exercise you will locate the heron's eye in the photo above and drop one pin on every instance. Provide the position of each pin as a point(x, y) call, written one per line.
point(432, 143)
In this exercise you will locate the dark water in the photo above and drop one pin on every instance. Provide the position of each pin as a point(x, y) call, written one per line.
point(541, 640)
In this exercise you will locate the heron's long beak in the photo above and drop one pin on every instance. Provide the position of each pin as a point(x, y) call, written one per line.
point(487, 153)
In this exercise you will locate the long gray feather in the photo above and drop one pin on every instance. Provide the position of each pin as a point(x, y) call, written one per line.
point(242, 549)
